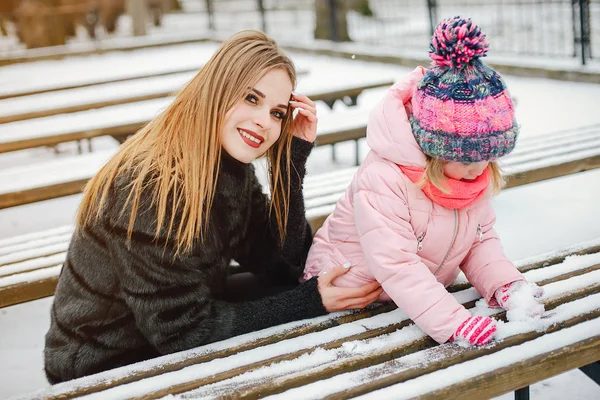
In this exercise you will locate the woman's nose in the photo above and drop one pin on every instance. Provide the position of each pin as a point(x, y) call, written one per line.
point(263, 119)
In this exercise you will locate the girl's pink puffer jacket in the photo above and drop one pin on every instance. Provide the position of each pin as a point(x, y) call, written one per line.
point(388, 230)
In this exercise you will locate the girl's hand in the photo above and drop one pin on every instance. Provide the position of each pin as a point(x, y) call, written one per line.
point(521, 300)
point(337, 299)
point(475, 331)
point(304, 125)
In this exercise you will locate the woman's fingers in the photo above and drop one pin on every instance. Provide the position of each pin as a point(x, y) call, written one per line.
point(362, 302)
point(342, 298)
point(302, 98)
point(328, 276)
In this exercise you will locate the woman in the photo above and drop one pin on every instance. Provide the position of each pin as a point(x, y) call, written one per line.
point(147, 270)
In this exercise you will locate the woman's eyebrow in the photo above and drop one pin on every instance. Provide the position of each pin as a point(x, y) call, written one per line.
point(258, 92)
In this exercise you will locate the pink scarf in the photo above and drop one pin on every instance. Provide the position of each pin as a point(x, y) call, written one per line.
point(462, 193)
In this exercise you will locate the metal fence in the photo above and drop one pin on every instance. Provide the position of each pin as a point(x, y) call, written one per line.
point(558, 28)
point(555, 28)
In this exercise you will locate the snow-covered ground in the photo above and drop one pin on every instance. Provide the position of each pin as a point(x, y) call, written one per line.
point(532, 219)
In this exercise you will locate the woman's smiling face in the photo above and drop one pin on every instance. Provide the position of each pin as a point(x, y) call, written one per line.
point(253, 125)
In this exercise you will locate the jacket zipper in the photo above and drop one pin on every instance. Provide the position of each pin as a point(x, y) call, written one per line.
point(480, 233)
point(420, 241)
point(451, 243)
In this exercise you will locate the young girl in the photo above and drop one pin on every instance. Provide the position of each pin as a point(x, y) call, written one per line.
point(147, 270)
point(418, 209)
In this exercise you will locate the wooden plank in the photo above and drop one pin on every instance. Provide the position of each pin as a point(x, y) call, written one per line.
point(523, 373)
point(53, 139)
point(16, 294)
point(97, 83)
point(41, 193)
point(553, 171)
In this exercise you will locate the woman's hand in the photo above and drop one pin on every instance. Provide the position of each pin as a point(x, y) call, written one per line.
point(337, 299)
point(304, 125)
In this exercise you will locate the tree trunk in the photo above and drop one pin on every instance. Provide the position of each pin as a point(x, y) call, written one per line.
point(323, 30)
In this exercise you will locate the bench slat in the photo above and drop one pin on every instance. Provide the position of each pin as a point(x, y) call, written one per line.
point(32, 265)
point(40, 284)
point(540, 367)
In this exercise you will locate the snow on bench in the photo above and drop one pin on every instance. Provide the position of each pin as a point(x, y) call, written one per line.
point(379, 352)
point(111, 94)
point(120, 76)
point(97, 94)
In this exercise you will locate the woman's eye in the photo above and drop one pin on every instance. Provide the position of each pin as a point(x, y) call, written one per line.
point(252, 99)
point(278, 114)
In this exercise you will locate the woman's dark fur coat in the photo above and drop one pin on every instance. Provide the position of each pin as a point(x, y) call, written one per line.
point(119, 301)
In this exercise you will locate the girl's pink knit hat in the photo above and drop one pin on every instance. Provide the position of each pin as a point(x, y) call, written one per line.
point(462, 110)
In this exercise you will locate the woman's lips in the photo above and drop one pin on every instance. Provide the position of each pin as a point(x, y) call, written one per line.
point(251, 138)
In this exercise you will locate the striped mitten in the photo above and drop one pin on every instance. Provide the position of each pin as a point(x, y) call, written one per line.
point(476, 331)
point(521, 300)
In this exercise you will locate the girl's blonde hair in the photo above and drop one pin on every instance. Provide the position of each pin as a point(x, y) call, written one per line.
point(434, 173)
point(177, 155)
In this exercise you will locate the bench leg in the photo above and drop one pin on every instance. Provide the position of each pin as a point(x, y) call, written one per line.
point(333, 152)
point(351, 100)
point(356, 152)
point(330, 103)
point(522, 394)
point(592, 371)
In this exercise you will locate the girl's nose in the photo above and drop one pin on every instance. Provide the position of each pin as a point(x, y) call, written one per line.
point(477, 168)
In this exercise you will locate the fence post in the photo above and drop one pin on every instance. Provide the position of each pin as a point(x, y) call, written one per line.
point(584, 22)
point(261, 9)
point(581, 29)
point(433, 20)
point(137, 10)
point(210, 12)
point(334, 34)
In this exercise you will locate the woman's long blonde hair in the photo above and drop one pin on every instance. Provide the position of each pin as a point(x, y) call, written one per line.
point(177, 155)
point(434, 173)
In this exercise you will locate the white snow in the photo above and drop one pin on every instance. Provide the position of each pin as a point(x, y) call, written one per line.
point(536, 218)
point(461, 371)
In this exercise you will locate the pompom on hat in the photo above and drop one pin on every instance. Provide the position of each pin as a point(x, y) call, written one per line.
point(461, 110)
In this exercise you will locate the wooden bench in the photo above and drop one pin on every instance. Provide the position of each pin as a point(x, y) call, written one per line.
point(120, 121)
point(66, 176)
point(534, 159)
point(111, 94)
point(379, 353)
